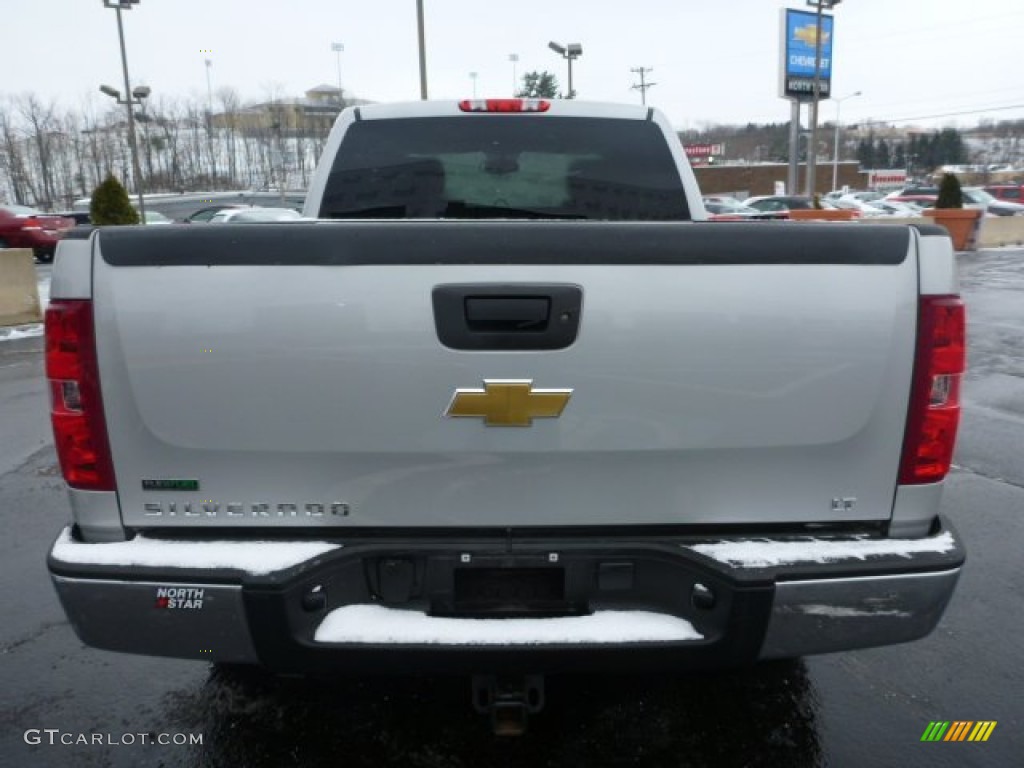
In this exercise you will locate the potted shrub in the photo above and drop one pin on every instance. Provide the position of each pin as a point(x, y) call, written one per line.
point(949, 212)
point(110, 204)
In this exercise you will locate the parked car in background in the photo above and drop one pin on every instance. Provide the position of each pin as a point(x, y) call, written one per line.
point(974, 197)
point(865, 195)
point(782, 204)
point(978, 197)
point(255, 213)
point(897, 208)
point(24, 227)
point(81, 218)
point(914, 190)
point(729, 209)
point(1012, 193)
point(921, 201)
point(727, 200)
point(203, 215)
point(850, 203)
point(155, 218)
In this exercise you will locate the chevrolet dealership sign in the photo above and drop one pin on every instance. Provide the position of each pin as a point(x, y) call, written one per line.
point(798, 48)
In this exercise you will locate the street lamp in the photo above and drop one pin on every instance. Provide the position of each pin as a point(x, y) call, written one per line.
point(139, 94)
point(835, 146)
point(338, 48)
point(569, 53)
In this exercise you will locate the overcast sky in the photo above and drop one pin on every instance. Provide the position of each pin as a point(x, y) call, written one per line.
point(713, 61)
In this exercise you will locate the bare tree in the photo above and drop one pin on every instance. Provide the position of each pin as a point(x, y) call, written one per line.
point(42, 124)
point(49, 156)
point(12, 160)
point(230, 104)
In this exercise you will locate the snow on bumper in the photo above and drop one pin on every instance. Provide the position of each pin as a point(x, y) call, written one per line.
point(821, 615)
point(255, 557)
point(262, 601)
point(371, 624)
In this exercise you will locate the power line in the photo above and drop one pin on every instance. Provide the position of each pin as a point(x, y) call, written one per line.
point(644, 85)
point(943, 114)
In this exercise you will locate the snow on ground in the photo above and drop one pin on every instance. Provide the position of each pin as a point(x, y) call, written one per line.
point(377, 624)
point(254, 557)
point(35, 329)
point(764, 553)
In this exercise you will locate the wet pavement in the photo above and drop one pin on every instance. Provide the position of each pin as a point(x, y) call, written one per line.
point(859, 708)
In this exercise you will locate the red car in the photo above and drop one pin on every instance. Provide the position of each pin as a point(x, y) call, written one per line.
point(22, 227)
point(1012, 193)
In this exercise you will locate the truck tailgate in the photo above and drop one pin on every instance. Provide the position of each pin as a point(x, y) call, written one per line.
point(293, 375)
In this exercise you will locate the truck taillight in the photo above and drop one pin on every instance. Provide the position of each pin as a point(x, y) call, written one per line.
point(504, 105)
point(76, 410)
point(934, 412)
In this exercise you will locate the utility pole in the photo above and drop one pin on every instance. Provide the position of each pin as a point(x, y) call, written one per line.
point(644, 85)
point(423, 50)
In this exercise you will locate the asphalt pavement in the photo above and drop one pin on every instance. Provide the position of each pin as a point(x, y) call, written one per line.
point(862, 708)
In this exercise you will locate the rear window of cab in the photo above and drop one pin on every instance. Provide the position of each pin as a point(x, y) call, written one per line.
point(505, 166)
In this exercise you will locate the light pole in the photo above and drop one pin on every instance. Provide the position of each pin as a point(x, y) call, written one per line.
point(209, 88)
point(514, 58)
point(138, 93)
point(816, 95)
point(835, 145)
point(569, 53)
point(423, 49)
point(338, 48)
point(472, 76)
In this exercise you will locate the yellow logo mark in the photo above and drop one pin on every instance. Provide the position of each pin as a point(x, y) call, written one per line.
point(808, 34)
point(958, 730)
point(511, 403)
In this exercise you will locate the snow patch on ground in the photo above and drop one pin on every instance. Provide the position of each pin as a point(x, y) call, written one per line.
point(21, 332)
point(34, 329)
point(377, 624)
point(764, 553)
point(254, 557)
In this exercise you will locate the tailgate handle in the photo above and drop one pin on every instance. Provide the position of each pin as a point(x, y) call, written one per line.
point(507, 314)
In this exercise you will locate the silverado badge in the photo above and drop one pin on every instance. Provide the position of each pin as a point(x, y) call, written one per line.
point(508, 403)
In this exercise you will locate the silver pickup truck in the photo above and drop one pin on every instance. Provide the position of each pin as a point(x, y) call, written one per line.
point(504, 403)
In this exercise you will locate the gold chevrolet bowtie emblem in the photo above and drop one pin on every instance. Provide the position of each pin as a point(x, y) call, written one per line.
point(513, 403)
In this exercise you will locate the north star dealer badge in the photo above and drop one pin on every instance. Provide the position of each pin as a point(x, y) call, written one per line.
point(508, 403)
point(179, 598)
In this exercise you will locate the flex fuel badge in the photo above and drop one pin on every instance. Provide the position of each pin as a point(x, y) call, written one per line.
point(170, 485)
point(179, 598)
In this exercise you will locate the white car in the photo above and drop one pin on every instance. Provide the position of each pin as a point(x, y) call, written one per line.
point(155, 218)
point(237, 215)
point(851, 203)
